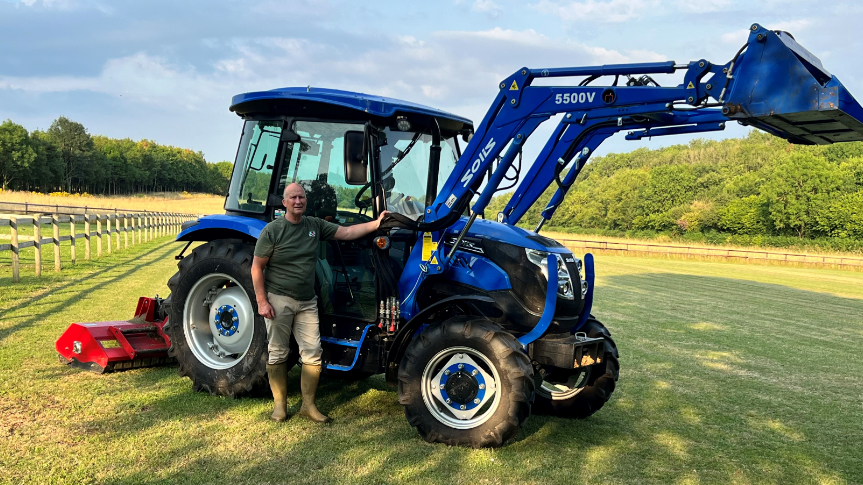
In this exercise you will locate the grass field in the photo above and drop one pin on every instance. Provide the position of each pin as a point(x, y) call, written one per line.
point(729, 374)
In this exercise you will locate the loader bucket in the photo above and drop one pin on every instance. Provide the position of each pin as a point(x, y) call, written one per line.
point(783, 89)
point(108, 346)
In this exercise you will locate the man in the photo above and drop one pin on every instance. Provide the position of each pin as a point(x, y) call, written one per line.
point(287, 248)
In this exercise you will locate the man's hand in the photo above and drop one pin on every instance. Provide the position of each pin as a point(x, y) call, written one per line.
point(381, 218)
point(346, 233)
point(266, 310)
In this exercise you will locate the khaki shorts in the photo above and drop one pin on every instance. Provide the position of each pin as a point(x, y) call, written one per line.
point(302, 318)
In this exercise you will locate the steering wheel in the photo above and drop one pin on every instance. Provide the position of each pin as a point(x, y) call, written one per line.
point(362, 204)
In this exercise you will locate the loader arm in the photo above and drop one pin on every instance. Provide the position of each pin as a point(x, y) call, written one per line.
point(772, 83)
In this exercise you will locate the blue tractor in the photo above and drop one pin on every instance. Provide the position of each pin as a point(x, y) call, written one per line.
point(478, 321)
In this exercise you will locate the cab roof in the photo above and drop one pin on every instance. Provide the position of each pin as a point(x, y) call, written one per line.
point(334, 103)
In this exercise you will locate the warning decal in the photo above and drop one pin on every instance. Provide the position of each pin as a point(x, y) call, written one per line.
point(514, 86)
point(429, 246)
point(690, 85)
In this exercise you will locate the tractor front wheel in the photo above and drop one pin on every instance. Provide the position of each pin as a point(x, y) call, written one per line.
point(466, 382)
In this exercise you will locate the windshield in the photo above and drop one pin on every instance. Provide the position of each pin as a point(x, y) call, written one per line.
point(404, 169)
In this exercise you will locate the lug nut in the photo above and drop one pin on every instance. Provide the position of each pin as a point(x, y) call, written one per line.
point(462, 407)
point(446, 372)
point(448, 400)
point(474, 372)
point(482, 386)
point(461, 366)
point(476, 401)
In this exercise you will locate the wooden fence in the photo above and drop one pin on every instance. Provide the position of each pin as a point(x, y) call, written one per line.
point(143, 226)
point(719, 252)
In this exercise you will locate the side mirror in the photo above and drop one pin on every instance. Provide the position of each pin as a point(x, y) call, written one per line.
point(356, 159)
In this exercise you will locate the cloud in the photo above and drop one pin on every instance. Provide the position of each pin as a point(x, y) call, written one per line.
point(703, 6)
point(597, 10)
point(487, 7)
point(457, 71)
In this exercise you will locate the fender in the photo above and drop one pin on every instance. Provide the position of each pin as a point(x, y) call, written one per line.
point(470, 304)
point(220, 226)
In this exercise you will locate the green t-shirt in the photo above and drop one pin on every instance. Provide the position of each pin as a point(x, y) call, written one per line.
point(292, 249)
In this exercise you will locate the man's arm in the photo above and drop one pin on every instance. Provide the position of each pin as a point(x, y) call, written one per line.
point(264, 307)
point(345, 233)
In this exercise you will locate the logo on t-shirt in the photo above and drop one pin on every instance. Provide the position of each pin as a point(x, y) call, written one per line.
point(311, 233)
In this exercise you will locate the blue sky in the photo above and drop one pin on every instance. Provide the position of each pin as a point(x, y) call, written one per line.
point(166, 70)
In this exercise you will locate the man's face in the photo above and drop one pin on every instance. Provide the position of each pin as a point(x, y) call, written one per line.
point(295, 200)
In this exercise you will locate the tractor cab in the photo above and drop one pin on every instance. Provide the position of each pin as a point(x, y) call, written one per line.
point(301, 135)
point(356, 155)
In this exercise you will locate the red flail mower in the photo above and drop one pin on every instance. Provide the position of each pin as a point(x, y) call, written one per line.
point(108, 346)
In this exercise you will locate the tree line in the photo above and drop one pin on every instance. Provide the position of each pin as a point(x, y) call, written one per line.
point(65, 157)
point(754, 186)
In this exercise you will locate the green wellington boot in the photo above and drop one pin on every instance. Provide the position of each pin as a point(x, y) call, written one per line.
point(308, 385)
point(278, 374)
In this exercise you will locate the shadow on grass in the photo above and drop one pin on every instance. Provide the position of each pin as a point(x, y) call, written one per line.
point(720, 383)
point(95, 280)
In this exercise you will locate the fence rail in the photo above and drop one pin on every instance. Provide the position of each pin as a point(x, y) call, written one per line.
point(728, 254)
point(143, 226)
point(30, 208)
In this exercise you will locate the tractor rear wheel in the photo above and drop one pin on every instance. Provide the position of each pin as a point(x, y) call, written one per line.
point(578, 394)
point(217, 335)
point(466, 382)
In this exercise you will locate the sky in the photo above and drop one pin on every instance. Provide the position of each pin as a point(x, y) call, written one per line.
point(166, 70)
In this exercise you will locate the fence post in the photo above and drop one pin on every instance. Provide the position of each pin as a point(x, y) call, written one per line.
point(108, 230)
point(126, 230)
point(98, 235)
point(137, 220)
point(87, 236)
point(13, 224)
point(55, 223)
point(72, 237)
point(37, 243)
point(117, 230)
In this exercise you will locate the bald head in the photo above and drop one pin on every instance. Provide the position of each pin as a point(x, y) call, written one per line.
point(293, 187)
point(295, 202)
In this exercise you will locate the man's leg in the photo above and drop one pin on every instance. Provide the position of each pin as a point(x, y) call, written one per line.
point(278, 345)
point(308, 334)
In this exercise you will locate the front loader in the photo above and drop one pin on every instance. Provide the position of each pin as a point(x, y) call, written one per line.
point(477, 321)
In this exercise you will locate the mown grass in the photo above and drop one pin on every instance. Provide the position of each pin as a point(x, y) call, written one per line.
point(729, 374)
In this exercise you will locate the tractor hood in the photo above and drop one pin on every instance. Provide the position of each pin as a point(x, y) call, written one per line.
point(503, 233)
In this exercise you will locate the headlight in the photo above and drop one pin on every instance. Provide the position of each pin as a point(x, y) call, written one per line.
point(564, 281)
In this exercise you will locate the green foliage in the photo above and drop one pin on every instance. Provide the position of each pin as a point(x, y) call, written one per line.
point(16, 154)
point(758, 186)
point(66, 157)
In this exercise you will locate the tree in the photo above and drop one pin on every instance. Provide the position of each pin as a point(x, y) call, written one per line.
point(16, 153)
point(76, 149)
point(799, 188)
